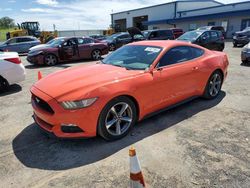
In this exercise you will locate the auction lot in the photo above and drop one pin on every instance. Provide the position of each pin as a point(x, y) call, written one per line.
point(199, 144)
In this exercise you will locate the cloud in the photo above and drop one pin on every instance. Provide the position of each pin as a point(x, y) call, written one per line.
point(5, 9)
point(11, 1)
point(75, 14)
point(47, 2)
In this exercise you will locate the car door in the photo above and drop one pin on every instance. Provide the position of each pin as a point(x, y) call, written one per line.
point(69, 50)
point(85, 46)
point(23, 44)
point(12, 45)
point(123, 40)
point(176, 76)
point(204, 40)
point(215, 40)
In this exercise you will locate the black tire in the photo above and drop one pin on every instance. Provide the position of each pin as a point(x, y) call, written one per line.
point(235, 44)
point(50, 60)
point(112, 47)
point(96, 54)
point(222, 47)
point(213, 90)
point(108, 116)
point(4, 85)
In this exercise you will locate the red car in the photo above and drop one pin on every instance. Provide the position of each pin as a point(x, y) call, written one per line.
point(66, 49)
point(136, 80)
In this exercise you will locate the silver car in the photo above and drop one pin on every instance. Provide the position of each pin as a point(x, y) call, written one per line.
point(19, 44)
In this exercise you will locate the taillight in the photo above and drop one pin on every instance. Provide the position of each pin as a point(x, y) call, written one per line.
point(15, 60)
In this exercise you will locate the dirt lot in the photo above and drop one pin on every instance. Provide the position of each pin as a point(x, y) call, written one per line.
point(199, 144)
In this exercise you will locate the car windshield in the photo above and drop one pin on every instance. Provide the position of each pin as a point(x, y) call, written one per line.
point(56, 42)
point(135, 57)
point(191, 35)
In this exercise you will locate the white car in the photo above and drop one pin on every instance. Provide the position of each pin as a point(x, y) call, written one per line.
point(11, 69)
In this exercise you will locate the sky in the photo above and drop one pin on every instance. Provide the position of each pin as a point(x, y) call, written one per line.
point(72, 14)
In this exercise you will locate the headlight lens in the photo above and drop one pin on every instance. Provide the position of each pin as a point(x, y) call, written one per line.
point(72, 105)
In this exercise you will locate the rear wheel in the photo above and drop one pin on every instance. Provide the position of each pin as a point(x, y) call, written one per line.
point(235, 44)
point(117, 118)
point(3, 84)
point(50, 60)
point(213, 86)
point(96, 54)
point(111, 47)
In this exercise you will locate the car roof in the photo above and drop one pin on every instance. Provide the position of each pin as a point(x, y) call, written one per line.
point(163, 43)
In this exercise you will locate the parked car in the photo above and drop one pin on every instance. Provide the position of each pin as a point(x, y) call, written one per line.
point(245, 54)
point(19, 44)
point(177, 32)
point(159, 34)
point(241, 37)
point(98, 37)
point(108, 98)
point(66, 49)
point(209, 39)
point(117, 40)
point(11, 70)
point(215, 28)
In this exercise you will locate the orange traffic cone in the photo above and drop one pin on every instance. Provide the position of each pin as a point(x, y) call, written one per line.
point(136, 177)
point(39, 75)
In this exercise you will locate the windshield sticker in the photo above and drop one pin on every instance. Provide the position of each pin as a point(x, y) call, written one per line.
point(151, 49)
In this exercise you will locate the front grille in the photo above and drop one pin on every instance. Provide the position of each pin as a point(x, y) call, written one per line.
point(42, 104)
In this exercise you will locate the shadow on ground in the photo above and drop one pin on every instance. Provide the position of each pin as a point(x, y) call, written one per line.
point(11, 90)
point(35, 150)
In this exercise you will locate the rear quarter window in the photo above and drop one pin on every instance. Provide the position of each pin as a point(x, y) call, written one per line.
point(165, 33)
point(197, 52)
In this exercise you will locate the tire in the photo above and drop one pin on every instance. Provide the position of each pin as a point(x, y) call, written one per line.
point(4, 85)
point(213, 86)
point(222, 47)
point(112, 47)
point(96, 54)
point(50, 60)
point(235, 44)
point(114, 124)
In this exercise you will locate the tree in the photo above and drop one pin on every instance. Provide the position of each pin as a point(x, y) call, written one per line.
point(6, 22)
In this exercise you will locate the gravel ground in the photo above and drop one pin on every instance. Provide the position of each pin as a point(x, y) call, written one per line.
point(199, 144)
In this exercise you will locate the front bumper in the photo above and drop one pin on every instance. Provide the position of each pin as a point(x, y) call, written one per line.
point(54, 121)
point(36, 59)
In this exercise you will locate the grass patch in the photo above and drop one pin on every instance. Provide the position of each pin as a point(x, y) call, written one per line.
point(3, 33)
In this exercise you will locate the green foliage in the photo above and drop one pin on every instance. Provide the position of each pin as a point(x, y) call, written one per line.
point(6, 22)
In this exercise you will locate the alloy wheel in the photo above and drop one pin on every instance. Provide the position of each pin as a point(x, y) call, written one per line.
point(96, 54)
point(215, 84)
point(119, 119)
point(50, 60)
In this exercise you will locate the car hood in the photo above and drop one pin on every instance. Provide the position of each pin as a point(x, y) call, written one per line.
point(40, 47)
point(77, 83)
point(240, 33)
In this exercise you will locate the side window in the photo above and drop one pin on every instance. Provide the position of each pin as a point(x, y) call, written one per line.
point(197, 52)
point(70, 42)
point(205, 37)
point(88, 41)
point(12, 41)
point(214, 35)
point(153, 34)
point(80, 41)
point(125, 36)
point(176, 55)
point(19, 40)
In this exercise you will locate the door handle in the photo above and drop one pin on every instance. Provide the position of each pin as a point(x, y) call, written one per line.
point(195, 68)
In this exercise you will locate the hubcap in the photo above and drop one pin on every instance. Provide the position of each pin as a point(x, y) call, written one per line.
point(119, 119)
point(112, 47)
point(214, 85)
point(50, 60)
point(96, 54)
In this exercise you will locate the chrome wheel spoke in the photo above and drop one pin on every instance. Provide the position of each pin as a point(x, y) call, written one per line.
point(126, 119)
point(118, 128)
point(110, 123)
point(113, 111)
point(123, 109)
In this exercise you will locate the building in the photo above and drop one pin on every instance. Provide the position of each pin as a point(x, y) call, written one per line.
point(186, 14)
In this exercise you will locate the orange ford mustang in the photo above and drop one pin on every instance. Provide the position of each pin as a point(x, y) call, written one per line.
point(109, 97)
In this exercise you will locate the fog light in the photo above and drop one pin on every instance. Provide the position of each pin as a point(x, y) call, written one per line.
point(71, 128)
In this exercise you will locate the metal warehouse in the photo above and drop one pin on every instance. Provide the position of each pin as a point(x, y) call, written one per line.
point(188, 15)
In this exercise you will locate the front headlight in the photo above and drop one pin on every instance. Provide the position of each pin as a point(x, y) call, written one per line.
point(35, 53)
point(72, 105)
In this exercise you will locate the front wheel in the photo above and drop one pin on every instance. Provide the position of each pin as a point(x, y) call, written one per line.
point(213, 86)
point(96, 55)
point(3, 84)
point(50, 60)
point(117, 118)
